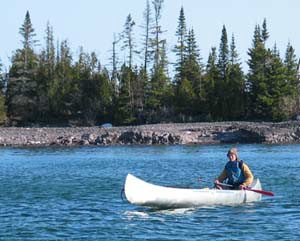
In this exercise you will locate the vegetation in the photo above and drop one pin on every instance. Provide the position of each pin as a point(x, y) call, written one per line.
point(48, 86)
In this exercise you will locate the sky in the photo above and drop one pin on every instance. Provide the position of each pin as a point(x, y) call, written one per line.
point(93, 23)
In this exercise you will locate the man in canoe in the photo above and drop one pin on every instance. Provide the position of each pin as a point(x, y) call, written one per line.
point(236, 172)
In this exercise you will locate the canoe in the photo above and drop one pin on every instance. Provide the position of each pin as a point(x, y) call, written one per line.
point(142, 193)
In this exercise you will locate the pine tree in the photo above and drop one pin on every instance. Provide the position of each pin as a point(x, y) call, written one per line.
point(209, 86)
point(185, 96)
point(140, 89)
point(124, 114)
point(2, 98)
point(147, 27)
point(28, 41)
point(223, 59)
point(96, 90)
point(159, 93)
point(156, 40)
point(22, 87)
point(180, 48)
point(276, 86)
point(266, 81)
point(193, 66)
point(155, 91)
point(235, 86)
point(256, 79)
point(103, 97)
point(192, 72)
point(50, 51)
point(290, 104)
point(257, 38)
point(63, 90)
point(290, 62)
point(45, 75)
point(264, 34)
point(82, 76)
point(233, 55)
point(221, 83)
point(128, 39)
point(114, 64)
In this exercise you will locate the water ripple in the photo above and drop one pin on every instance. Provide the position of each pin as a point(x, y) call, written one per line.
point(74, 194)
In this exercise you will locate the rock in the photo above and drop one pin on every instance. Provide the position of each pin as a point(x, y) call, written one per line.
point(159, 134)
point(89, 138)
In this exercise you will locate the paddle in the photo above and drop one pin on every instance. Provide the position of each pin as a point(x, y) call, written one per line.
point(249, 189)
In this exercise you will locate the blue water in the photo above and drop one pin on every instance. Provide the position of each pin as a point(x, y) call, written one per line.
point(74, 194)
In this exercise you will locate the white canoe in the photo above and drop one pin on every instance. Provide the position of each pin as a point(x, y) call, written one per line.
point(142, 193)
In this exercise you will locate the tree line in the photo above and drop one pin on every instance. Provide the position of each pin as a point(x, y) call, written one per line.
point(48, 86)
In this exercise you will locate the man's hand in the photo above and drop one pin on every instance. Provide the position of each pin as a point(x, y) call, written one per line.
point(217, 182)
point(242, 187)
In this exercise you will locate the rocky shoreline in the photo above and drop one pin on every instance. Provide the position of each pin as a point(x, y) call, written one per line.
point(158, 134)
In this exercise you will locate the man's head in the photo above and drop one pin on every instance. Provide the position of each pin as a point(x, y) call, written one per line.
point(232, 154)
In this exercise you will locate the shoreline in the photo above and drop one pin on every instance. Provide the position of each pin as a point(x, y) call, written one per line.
point(154, 134)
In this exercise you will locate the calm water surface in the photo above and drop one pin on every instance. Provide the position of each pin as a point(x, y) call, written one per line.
point(74, 194)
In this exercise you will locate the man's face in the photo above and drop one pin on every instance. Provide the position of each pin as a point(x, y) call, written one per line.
point(232, 157)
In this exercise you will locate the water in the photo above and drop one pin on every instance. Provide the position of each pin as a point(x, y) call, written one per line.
point(74, 194)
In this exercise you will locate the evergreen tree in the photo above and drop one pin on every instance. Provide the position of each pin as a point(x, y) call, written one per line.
point(221, 83)
point(128, 39)
point(114, 64)
point(43, 82)
point(2, 98)
point(104, 97)
point(267, 83)
point(185, 96)
point(275, 88)
point(124, 114)
point(290, 62)
point(47, 86)
point(257, 38)
point(22, 87)
point(223, 59)
point(233, 55)
point(140, 94)
point(192, 72)
point(85, 100)
point(155, 90)
point(290, 104)
point(45, 75)
point(147, 27)
point(256, 79)
point(50, 51)
point(159, 93)
point(63, 91)
point(209, 86)
point(95, 89)
point(156, 40)
point(28, 41)
point(235, 86)
point(193, 66)
point(180, 48)
point(264, 34)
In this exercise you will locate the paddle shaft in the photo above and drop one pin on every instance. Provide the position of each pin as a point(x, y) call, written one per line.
point(250, 189)
point(260, 191)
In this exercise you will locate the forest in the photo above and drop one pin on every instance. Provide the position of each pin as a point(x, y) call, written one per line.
point(47, 85)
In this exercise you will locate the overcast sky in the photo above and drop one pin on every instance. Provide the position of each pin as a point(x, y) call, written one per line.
point(92, 23)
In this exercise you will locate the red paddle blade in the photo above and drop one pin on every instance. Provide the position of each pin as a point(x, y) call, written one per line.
point(261, 191)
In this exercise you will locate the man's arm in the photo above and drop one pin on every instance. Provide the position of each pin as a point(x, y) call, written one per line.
point(248, 175)
point(222, 176)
